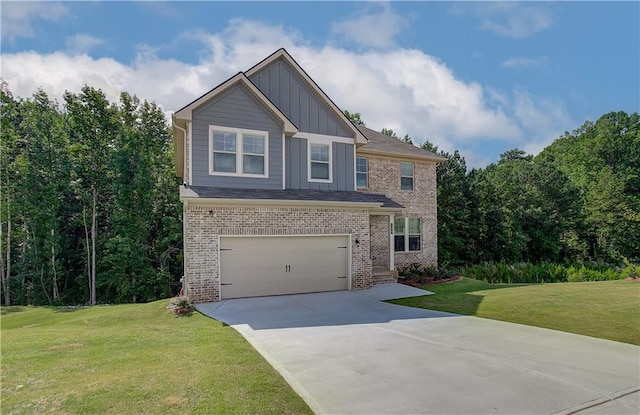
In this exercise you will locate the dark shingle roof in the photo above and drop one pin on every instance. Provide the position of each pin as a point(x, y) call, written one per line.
point(380, 143)
point(289, 194)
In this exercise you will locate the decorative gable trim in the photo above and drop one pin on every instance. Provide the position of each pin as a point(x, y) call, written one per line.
point(186, 112)
point(283, 54)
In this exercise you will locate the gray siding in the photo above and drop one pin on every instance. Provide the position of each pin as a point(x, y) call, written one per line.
point(235, 109)
point(287, 91)
point(296, 166)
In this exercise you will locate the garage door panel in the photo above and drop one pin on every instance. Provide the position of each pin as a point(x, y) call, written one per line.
point(258, 266)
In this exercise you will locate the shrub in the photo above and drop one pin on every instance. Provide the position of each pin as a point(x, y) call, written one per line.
point(180, 305)
point(528, 273)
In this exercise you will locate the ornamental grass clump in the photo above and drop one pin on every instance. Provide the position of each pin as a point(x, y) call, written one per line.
point(180, 305)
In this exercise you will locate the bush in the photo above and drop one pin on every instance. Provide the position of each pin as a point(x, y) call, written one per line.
point(528, 273)
point(180, 305)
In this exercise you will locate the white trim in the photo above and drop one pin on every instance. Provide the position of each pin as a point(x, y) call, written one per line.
point(356, 172)
point(413, 175)
point(185, 257)
point(392, 243)
point(284, 163)
point(239, 133)
point(401, 156)
point(288, 203)
point(406, 234)
point(320, 143)
point(323, 138)
point(218, 270)
point(190, 144)
point(349, 247)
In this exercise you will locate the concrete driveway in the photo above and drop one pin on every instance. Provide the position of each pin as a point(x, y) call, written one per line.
point(349, 353)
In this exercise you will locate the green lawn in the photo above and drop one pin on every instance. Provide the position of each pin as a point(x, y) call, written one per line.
point(607, 309)
point(133, 359)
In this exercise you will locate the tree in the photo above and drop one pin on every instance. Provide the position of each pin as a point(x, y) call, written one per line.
point(390, 133)
point(92, 130)
point(354, 117)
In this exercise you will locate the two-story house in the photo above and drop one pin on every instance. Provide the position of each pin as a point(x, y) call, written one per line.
point(282, 194)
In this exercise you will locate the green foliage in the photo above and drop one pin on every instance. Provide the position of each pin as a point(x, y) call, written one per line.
point(92, 176)
point(604, 309)
point(528, 273)
point(578, 200)
point(133, 359)
point(354, 117)
point(181, 305)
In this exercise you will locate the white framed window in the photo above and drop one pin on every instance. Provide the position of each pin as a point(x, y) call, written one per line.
point(362, 172)
point(406, 175)
point(238, 152)
point(407, 234)
point(319, 162)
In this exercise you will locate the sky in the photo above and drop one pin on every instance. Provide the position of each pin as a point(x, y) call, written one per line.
point(478, 77)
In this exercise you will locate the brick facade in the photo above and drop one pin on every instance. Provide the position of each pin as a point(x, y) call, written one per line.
point(384, 177)
point(205, 223)
point(380, 241)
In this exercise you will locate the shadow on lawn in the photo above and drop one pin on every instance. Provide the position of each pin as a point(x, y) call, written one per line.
point(11, 309)
point(460, 297)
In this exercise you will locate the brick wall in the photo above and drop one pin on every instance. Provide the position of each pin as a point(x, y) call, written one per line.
point(380, 241)
point(384, 177)
point(205, 223)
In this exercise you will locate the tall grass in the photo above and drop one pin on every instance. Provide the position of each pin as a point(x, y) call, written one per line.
point(528, 273)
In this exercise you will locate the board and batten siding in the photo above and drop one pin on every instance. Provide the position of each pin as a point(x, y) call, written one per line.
point(296, 166)
point(290, 94)
point(235, 109)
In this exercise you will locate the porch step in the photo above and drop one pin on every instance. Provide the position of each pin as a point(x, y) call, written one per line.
point(384, 276)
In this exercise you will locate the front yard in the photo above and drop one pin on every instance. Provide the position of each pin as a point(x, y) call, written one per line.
point(133, 359)
point(606, 309)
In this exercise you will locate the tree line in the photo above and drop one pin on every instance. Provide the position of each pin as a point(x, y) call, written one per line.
point(576, 201)
point(89, 210)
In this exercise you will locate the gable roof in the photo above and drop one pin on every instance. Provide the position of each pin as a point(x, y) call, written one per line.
point(185, 113)
point(385, 145)
point(283, 54)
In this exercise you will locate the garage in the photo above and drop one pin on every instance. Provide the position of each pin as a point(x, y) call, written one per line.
point(272, 265)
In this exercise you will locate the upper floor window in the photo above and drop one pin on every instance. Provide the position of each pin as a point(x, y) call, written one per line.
point(407, 234)
point(406, 175)
point(319, 162)
point(236, 152)
point(362, 172)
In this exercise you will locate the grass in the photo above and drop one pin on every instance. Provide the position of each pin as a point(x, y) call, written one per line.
point(133, 359)
point(606, 309)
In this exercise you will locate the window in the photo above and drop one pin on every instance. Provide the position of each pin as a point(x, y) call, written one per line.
point(319, 162)
point(407, 234)
point(362, 172)
point(238, 152)
point(406, 175)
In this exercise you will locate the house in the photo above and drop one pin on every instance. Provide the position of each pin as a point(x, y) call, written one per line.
point(282, 194)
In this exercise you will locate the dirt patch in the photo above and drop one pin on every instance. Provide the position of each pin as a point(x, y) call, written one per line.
point(631, 279)
point(65, 346)
point(175, 400)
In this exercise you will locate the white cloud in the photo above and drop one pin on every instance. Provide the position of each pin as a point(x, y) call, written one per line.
point(82, 43)
point(403, 89)
point(515, 62)
point(371, 29)
point(544, 119)
point(18, 17)
point(511, 19)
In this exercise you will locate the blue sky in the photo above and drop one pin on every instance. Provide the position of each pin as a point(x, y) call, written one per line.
point(479, 77)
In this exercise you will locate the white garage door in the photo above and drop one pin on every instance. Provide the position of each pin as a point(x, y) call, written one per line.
point(258, 266)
